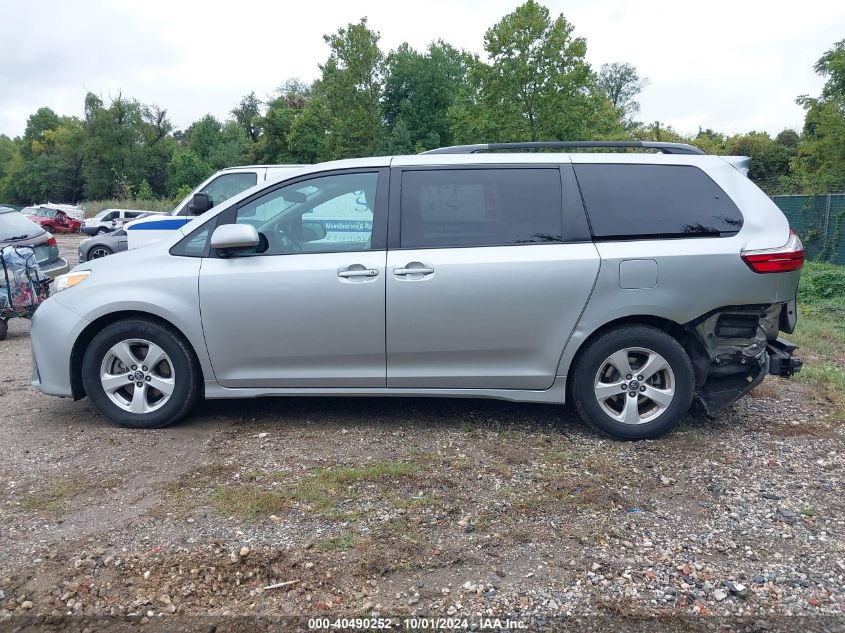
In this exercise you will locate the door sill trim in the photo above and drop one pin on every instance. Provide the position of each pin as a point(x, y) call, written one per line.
point(556, 394)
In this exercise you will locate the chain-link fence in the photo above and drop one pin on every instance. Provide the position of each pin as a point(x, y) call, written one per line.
point(820, 221)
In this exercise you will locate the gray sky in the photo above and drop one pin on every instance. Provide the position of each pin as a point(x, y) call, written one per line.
point(726, 64)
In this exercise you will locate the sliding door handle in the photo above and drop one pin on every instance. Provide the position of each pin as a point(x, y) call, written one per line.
point(401, 272)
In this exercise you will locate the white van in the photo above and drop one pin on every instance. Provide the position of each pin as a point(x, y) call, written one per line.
point(215, 189)
point(109, 220)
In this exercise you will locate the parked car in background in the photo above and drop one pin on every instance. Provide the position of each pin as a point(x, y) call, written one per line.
point(18, 230)
point(631, 283)
point(109, 220)
point(73, 210)
point(106, 244)
point(211, 192)
point(102, 245)
point(52, 219)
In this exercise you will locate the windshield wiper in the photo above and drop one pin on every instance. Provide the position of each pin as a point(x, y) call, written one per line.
point(16, 237)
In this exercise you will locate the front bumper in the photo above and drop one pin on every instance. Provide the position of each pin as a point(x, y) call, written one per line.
point(53, 332)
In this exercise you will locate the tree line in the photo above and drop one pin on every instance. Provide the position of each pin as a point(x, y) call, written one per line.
point(534, 85)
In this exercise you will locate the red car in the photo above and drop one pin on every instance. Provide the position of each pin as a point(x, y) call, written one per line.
point(53, 220)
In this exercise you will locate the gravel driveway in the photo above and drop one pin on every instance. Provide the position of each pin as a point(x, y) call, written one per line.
point(464, 508)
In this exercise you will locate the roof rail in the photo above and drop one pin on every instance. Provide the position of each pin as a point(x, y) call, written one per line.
point(665, 148)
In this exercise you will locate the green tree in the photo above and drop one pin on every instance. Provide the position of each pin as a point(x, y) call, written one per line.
point(342, 119)
point(158, 147)
point(621, 84)
point(282, 110)
point(820, 163)
point(218, 144)
point(537, 86)
point(48, 163)
point(114, 154)
point(248, 115)
point(419, 89)
point(33, 137)
point(308, 140)
point(145, 192)
point(187, 169)
point(9, 158)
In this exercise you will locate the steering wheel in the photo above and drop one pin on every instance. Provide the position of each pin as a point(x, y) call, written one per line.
point(281, 241)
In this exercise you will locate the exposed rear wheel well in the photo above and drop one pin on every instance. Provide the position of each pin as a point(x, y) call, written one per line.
point(88, 334)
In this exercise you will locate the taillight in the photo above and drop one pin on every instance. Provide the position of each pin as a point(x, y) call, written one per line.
point(51, 241)
point(777, 260)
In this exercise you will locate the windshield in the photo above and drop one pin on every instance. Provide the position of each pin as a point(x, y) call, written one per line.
point(44, 212)
point(102, 214)
point(14, 226)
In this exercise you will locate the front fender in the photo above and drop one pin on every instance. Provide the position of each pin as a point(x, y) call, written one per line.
point(171, 294)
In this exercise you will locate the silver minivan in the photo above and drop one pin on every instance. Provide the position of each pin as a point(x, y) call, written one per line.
point(629, 282)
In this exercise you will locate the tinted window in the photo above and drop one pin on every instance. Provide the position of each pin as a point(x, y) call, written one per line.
point(629, 201)
point(480, 207)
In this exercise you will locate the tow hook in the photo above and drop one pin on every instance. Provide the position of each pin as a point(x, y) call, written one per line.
point(781, 360)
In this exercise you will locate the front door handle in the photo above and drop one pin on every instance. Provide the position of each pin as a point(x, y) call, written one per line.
point(414, 268)
point(363, 272)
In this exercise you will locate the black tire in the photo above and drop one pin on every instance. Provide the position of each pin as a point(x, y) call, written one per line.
point(185, 370)
point(4, 329)
point(106, 251)
point(594, 358)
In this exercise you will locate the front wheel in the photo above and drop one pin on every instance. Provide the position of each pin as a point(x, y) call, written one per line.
point(140, 374)
point(633, 382)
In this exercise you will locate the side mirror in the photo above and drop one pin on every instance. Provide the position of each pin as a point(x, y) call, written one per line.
point(200, 203)
point(312, 231)
point(231, 238)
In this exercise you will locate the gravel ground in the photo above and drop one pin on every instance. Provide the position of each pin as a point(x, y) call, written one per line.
point(411, 507)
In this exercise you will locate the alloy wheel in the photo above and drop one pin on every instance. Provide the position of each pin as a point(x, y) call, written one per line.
point(99, 251)
point(634, 385)
point(137, 376)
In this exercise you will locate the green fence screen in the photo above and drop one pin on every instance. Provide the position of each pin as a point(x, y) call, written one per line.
point(819, 221)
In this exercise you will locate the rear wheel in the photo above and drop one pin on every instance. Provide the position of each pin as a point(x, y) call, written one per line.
point(633, 382)
point(140, 374)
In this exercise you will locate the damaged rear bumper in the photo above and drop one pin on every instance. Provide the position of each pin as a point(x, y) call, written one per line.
point(719, 392)
point(740, 351)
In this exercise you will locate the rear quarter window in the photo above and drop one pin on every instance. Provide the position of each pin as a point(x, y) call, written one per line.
point(626, 201)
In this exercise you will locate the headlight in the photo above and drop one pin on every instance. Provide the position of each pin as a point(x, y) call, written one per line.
point(63, 282)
